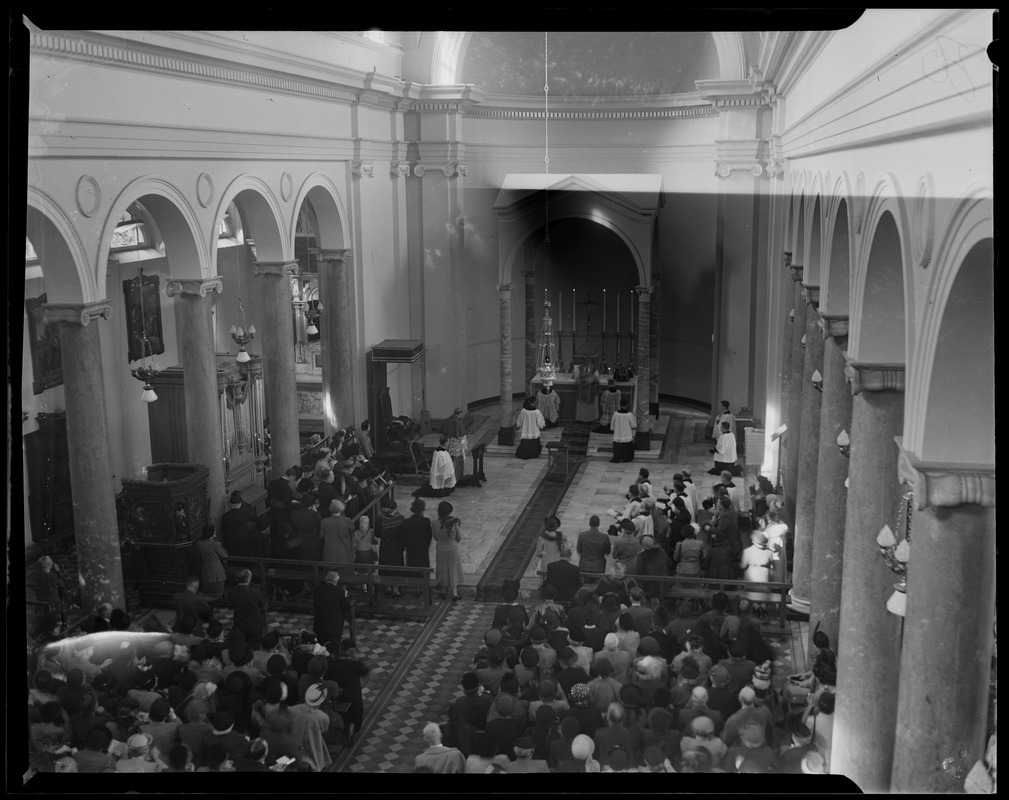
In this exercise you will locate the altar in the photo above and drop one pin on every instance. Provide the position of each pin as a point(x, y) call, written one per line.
point(567, 389)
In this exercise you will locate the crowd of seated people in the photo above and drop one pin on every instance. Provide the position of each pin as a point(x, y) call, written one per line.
point(124, 700)
point(622, 677)
point(572, 688)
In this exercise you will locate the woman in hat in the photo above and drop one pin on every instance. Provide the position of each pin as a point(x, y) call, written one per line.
point(582, 748)
point(690, 553)
point(529, 422)
point(549, 543)
point(457, 445)
point(448, 564)
point(756, 559)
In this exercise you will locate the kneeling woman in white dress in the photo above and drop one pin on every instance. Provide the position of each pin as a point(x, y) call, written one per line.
point(442, 468)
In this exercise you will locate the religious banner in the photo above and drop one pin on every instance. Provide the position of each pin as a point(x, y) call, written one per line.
point(143, 317)
point(44, 343)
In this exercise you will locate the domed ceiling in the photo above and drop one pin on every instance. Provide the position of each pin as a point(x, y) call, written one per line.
point(590, 64)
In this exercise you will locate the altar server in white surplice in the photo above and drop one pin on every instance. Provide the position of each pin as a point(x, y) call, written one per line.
point(442, 468)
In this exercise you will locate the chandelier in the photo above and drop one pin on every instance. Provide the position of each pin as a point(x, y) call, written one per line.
point(895, 548)
point(241, 333)
point(146, 367)
point(313, 310)
point(547, 348)
point(548, 359)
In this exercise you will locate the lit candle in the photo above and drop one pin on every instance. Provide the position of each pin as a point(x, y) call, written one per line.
point(574, 311)
point(604, 311)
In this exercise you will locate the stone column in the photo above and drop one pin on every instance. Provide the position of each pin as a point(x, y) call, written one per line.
point(279, 384)
point(643, 438)
point(197, 346)
point(335, 339)
point(506, 434)
point(790, 476)
point(96, 527)
point(532, 357)
point(809, 441)
point(868, 646)
point(786, 356)
point(945, 665)
point(831, 472)
point(653, 350)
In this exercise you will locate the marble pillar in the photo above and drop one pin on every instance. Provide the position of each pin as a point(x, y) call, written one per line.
point(335, 339)
point(831, 472)
point(803, 530)
point(653, 349)
point(279, 383)
point(786, 356)
point(532, 357)
point(868, 641)
point(945, 665)
point(197, 348)
point(506, 433)
point(643, 437)
point(96, 526)
point(790, 473)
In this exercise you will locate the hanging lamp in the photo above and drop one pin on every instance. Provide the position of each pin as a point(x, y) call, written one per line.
point(547, 349)
point(146, 367)
point(241, 334)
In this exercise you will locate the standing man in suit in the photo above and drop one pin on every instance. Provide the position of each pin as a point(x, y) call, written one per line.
point(332, 608)
point(249, 607)
point(190, 603)
point(564, 576)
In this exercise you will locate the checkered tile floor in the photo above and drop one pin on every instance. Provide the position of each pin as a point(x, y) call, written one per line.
point(424, 685)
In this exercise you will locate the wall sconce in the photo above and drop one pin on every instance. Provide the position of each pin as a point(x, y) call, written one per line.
point(844, 443)
point(791, 315)
point(817, 380)
point(804, 341)
point(896, 553)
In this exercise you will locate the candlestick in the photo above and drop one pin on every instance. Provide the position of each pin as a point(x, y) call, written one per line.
point(604, 311)
point(574, 311)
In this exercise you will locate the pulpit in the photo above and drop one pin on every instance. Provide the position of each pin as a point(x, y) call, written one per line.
point(159, 519)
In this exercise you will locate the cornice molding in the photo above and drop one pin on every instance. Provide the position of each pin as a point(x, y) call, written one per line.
point(200, 287)
point(333, 254)
point(833, 325)
point(591, 115)
point(275, 269)
point(874, 377)
point(76, 313)
point(945, 485)
point(504, 291)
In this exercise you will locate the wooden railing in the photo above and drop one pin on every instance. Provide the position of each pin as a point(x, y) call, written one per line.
point(701, 589)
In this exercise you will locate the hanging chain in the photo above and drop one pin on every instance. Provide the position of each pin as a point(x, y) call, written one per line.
point(145, 345)
point(546, 131)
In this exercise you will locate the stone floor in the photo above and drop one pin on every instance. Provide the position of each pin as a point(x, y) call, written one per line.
point(417, 664)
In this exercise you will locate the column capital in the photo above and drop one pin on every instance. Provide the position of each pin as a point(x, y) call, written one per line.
point(874, 377)
point(330, 254)
point(796, 272)
point(944, 485)
point(811, 294)
point(833, 325)
point(76, 313)
point(530, 275)
point(504, 290)
point(786, 256)
point(277, 269)
point(176, 287)
point(644, 293)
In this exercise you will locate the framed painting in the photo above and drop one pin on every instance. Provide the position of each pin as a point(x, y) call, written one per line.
point(148, 316)
point(44, 341)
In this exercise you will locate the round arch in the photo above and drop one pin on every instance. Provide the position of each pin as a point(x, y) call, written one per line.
point(516, 248)
point(881, 325)
point(329, 210)
point(811, 273)
point(838, 246)
point(955, 336)
point(177, 223)
point(262, 217)
point(66, 271)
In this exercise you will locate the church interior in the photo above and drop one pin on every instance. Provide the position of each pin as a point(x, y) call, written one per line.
point(242, 243)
